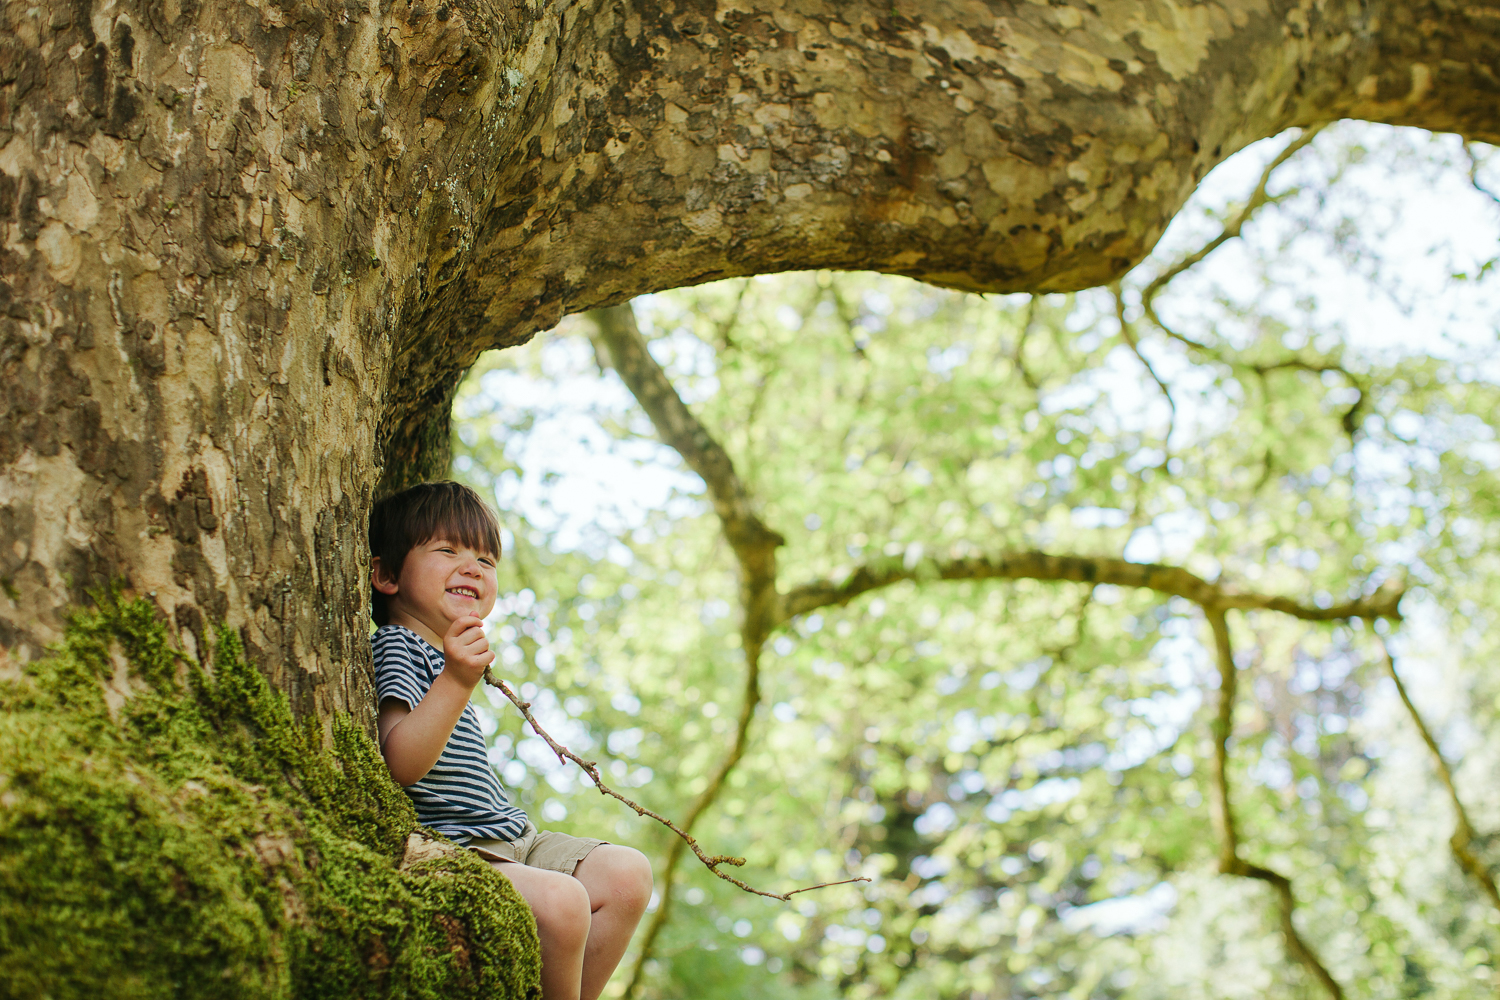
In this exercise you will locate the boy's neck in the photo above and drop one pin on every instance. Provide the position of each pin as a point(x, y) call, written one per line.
point(399, 616)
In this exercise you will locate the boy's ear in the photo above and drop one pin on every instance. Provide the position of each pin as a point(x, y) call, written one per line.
point(381, 580)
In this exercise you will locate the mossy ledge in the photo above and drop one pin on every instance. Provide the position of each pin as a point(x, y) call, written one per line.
point(171, 831)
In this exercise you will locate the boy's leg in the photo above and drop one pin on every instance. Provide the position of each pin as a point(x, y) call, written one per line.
point(618, 880)
point(560, 904)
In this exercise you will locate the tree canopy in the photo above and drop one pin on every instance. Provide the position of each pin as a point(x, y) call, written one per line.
point(1072, 621)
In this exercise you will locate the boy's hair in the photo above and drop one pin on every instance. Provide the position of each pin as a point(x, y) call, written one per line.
point(420, 513)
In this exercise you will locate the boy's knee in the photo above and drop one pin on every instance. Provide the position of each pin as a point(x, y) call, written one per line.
point(563, 915)
point(633, 877)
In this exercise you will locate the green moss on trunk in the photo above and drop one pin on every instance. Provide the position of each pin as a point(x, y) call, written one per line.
point(192, 839)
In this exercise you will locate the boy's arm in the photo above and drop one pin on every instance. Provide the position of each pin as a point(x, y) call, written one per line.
point(412, 739)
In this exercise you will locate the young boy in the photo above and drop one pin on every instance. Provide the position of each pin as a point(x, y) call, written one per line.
point(434, 548)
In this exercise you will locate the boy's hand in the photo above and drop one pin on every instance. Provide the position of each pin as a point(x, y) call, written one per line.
point(466, 652)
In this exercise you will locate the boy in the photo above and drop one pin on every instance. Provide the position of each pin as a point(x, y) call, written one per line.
point(434, 548)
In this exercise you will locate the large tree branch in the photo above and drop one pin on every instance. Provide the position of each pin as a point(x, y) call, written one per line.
point(1012, 148)
point(1462, 841)
point(1230, 862)
point(1171, 580)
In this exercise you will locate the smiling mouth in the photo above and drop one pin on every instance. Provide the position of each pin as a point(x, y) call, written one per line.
point(464, 592)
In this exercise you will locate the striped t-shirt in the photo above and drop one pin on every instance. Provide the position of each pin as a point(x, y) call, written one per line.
point(460, 797)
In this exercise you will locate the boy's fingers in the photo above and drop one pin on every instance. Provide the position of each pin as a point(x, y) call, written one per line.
point(462, 625)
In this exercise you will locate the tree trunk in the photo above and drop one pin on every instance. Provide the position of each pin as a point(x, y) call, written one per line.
point(250, 249)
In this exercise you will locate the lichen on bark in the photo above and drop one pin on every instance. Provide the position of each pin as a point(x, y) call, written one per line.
point(170, 830)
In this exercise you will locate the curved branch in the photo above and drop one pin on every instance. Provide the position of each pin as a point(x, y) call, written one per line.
point(1172, 580)
point(1230, 862)
point(1019, 357)
point(1463, 830)
point(705, 799)
point(1258, 198)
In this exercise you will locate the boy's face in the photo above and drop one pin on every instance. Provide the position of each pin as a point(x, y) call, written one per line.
point(441, 581)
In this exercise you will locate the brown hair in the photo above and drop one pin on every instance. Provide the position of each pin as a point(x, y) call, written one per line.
point(420, 513)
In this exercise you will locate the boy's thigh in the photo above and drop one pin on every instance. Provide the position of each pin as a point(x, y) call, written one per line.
point(551, 895)
point(546, 849)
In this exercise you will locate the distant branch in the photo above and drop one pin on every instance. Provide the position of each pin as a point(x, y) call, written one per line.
point(1171, 580)
point(754, 546)
point(1462, 841)
point(1230, 862)
point(1223, 728)
point(1351, 416)
point(679, 428)
point(707, 797)
point(1258, 198)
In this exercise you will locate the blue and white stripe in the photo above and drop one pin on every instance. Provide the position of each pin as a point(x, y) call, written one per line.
point(461, 796)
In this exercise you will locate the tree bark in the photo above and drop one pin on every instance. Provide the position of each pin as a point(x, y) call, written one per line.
point(249, 250)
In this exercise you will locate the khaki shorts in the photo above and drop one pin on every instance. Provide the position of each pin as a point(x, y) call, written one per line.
point(535, 848)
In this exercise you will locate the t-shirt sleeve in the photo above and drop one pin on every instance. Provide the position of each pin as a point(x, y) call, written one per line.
point(398, 669)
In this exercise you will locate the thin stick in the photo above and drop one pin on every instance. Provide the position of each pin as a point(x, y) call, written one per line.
point(591, 768)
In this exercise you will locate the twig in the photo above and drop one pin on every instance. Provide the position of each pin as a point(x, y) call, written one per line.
point(1231, 230)
point(1474, 174)
point(1463, 831)
point(591, 768)
point(1129, 335)
point(1230, 862)
point(1019, 356)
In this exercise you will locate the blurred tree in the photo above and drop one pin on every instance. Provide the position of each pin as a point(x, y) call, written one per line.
point(1065, 618)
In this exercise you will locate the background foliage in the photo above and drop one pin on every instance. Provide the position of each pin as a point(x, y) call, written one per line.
point(1022, 767)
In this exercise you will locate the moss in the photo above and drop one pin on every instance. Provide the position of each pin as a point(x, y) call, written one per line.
point(194, 839)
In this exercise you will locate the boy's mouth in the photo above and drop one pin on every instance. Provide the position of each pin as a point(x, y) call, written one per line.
point(469, 592)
